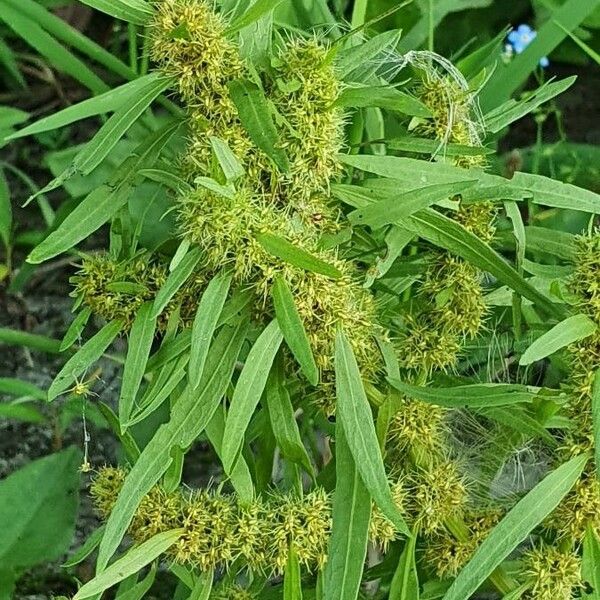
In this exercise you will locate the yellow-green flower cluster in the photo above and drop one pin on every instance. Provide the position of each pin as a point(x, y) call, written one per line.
point(189, 42)
point(218, 529)
point(116, 289)
point(553, 573)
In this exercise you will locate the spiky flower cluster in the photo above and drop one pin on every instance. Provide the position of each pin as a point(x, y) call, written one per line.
point(553, 573)
point(116, 289)
point(218, 529)
point(189, 43)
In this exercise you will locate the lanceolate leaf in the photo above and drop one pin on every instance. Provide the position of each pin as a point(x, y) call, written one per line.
point(281, 248)
point(527, 514)
point(477, 395)
point(230, 165)
point(205, 323)
point(137, 12)
point(255, 114)
point(384, 97)
point(104, 202)
point(189, 416)
point(248, 390)
point(566, 332)
point(394, 209)
point(175, 280)
point(357, 420)
point(350, 527)
point(596, 423)
point(405, 584)
point(293, 330)
point(87, 355)
point(135, 559)
point(140, 344)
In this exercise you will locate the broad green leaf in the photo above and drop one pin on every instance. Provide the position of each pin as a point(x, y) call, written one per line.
point(596, 421)
point(475, 395)
point(292, 581)
point(281, 248)
point(31, 33)
point(513, 110)
point(175, 280)
point(97, 149)
point(385, 97)
point(447, 233)
point(350, 526)
point(22, 389)
point(104, 202)
point(401, 206)
point(75, 328)
point(139, 345)
point(90, 544)
point(205, 324)
point(5, 211)
point(84, 358)
point(357, 420)
point(133, 561)
point(255, 114)
point(570, 330)
point(248, 390)
point(189, 416)
point(405, 584)
point(38, 507)
point(549, 192)
point(230, 165)
point(590, 566)
point(137, 12)
point(255, 12)
point(522, 519)
point(283, 421)
point(98, 105)
point(293, 329)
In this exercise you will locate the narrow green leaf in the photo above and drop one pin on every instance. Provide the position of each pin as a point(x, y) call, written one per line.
point(139, 590)
point(256, 11)
point(137, 558)
point(255, 114)
point(175, 280)
point(75, 328)
point(356, 63)
point(476, 395)
point(394, 209)
point(452, 236)
point(31, 33)
point(96, 150)
point(292, 581)
point(138, 352)
point(132, 451)
point(357, 421)
point(205, 324)
point(385, 97)
point(522, 519)
point(14, 337)
point(137, 12)
point(202, 587)
point(227, 191)
point(519, 419)
point(248, 390)
point(293, 329)
point(98, 105)
point(90, 544)
point(405, 583)
point(350, 526)
point(283, 421)
point(281, 248)
point(419, 145)
point(570, 330)
point(22, 389)
point(21, 412)
point(88, 354)
point(590, 566)
point(189, 416)
point(104, 202)
point(230, 165)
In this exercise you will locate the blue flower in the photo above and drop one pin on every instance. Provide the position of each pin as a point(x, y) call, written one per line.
point(521, 37)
